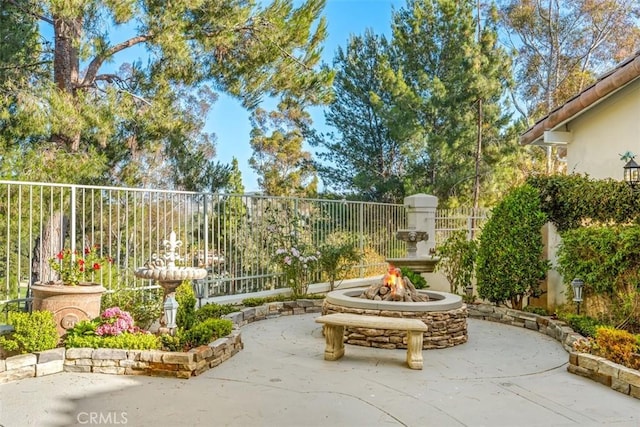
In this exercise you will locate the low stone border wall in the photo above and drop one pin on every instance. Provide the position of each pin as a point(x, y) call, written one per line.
point(174, 364)
point(32, 365)
point(149, 362)
point(154, 363)
point(618, 377)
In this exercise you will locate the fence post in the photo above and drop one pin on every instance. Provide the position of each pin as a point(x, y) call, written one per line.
point(72, 225)
point(205, 229)
point(361, 234)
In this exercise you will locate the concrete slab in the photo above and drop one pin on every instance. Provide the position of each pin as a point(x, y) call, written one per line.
point(504, 376)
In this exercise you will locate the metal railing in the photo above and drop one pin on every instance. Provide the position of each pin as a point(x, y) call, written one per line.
point(450, 220)
point(231, 235)
point(234, 236)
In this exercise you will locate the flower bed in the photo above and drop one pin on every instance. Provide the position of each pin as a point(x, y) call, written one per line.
point(150, 362)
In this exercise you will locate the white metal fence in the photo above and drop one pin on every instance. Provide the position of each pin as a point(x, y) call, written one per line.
point(231, 235)
point(467, 219)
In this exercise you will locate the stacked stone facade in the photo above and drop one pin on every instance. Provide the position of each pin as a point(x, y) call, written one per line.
point(446, 328)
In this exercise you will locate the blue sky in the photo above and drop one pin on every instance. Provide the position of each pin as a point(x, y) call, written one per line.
point(230, 122)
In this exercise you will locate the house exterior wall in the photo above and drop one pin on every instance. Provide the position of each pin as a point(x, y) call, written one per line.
point(603, 133)
point(600, 136)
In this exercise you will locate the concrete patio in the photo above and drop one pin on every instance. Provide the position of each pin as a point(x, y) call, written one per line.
point(504, 376)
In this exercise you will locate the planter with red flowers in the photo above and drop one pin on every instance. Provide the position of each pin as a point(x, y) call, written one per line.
point(76, 296)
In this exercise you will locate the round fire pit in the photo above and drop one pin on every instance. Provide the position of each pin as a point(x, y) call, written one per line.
point(445, 314)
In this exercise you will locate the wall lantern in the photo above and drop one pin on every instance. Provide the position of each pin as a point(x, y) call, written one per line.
point(170, 311)
point(577, 285)
point(632, 173)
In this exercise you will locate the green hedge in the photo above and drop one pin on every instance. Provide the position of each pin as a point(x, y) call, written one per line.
point(571, 201)
point(510, 264)
point(606, 258)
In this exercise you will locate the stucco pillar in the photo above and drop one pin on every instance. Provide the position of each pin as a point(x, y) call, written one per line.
point(553, 284)
point(421, 215)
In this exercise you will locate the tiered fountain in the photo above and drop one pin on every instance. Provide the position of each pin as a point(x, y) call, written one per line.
point(169, 276)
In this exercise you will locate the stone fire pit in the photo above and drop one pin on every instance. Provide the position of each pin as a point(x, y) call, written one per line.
point(445, 315)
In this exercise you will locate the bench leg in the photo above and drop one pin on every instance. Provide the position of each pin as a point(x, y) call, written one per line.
point(334, 335)
point(414, 349)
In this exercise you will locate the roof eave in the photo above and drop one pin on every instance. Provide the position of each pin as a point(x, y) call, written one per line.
point(590, 97)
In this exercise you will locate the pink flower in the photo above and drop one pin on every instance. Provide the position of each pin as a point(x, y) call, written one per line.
point(115, 321)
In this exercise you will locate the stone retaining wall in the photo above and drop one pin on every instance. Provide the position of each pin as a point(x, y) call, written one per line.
point(32, 365)
point(446, 328)
point(599, 369)
point(154, 363)
point(149, 362)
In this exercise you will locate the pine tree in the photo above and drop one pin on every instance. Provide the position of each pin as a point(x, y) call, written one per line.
point(364, 159)
point(450, 69)
point(145, 119)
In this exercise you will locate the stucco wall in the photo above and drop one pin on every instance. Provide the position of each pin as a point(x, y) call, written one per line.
point(603, 133)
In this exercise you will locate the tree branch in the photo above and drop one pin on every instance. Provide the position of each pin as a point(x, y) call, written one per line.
point(28, 11)
point(33, 64)
point(96, 63)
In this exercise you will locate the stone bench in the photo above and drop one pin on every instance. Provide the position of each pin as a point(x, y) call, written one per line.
point(334, 333)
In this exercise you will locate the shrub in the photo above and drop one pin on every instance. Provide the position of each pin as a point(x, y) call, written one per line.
point(510, 264)
point(617, 345)
point(585, 345)
point(296, 255)
point(145, 305)
point(126, 340)
point(337, 258)
point(172, 342)
point(570, 201)
point(416, 278)
point(113, 329)
point(186, 298)
point(208, 311)
point(204, 332)
point(256, 301)
point(34, 331)
point(584, 325)
point(608, 260)
point(458, 261)
point(540, 311)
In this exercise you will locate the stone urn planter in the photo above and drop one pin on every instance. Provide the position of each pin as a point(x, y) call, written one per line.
point(69, 304)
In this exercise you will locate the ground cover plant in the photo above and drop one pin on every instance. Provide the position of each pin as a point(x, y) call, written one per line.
point(32, 332)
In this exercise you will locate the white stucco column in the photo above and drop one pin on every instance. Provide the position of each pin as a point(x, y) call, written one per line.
point(421, 215)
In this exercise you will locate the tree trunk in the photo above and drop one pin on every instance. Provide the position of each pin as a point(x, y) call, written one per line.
point(66, 65)
point(47, 246)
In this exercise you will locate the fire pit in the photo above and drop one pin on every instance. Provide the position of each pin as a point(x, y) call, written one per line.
point(444, 314)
